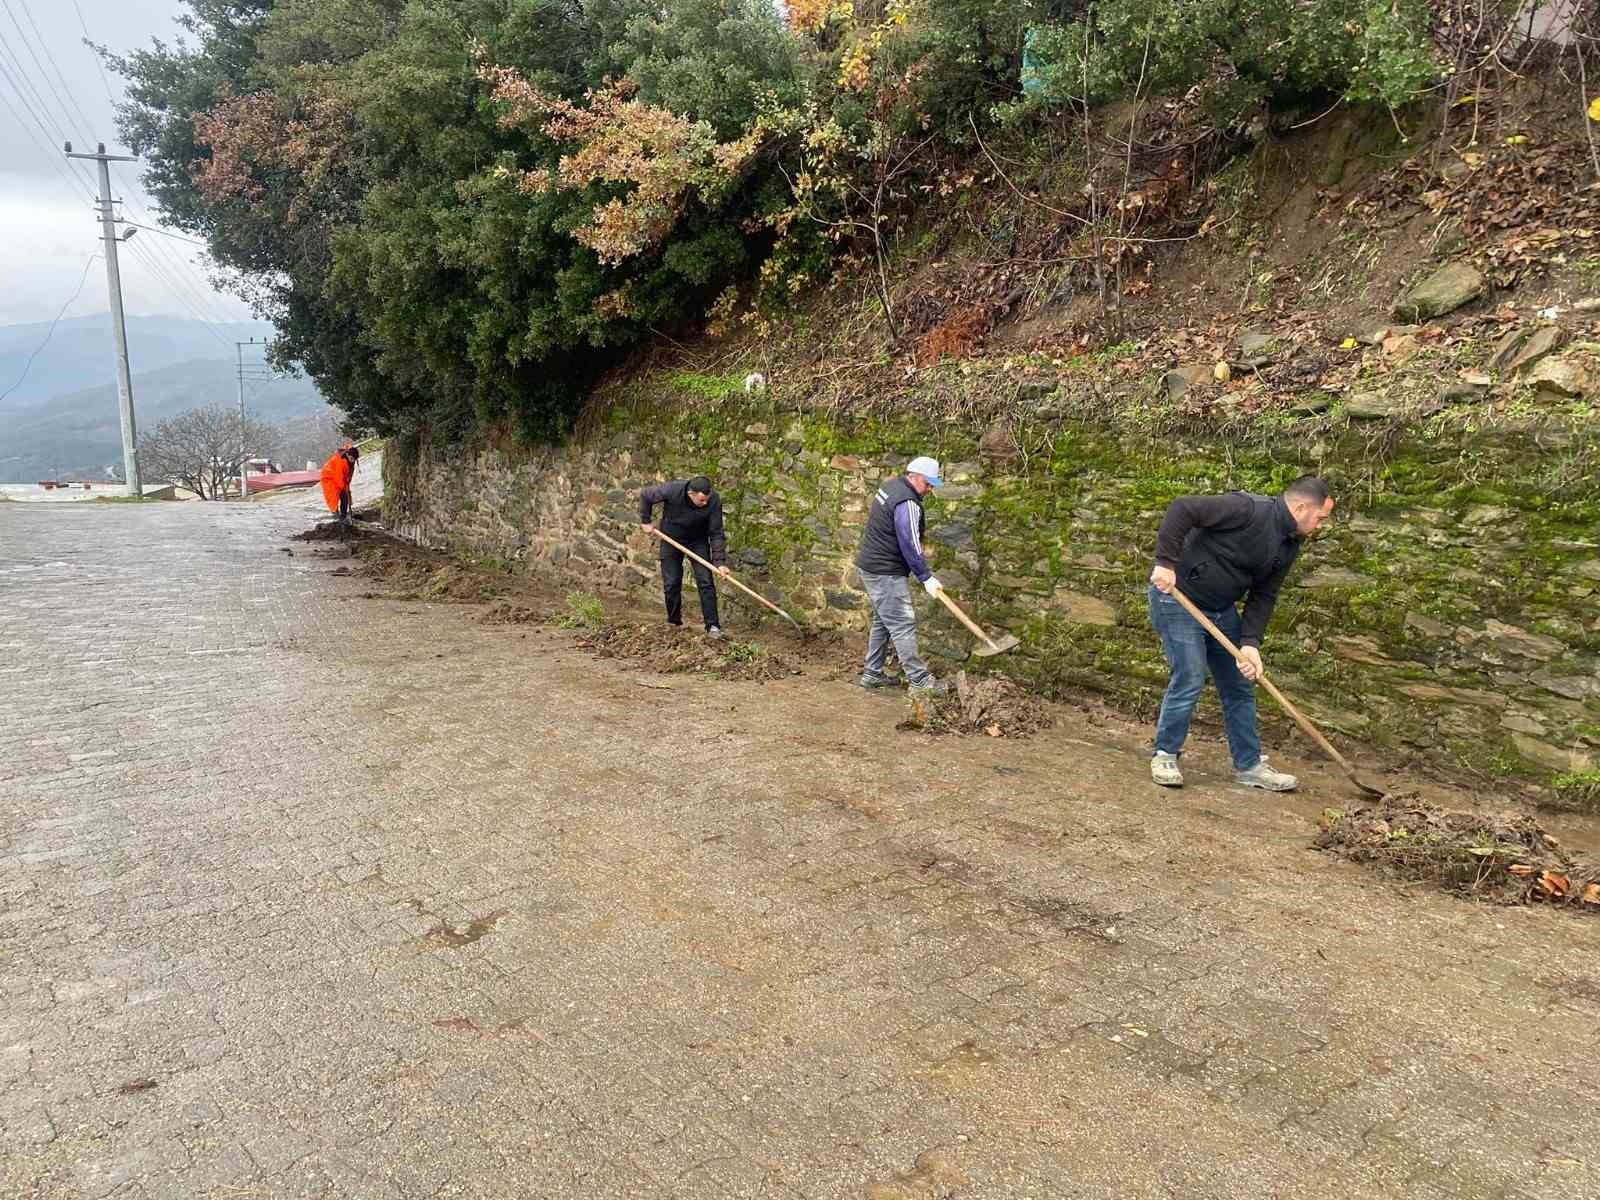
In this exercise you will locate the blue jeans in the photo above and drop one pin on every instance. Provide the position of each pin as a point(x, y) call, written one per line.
point(893, 620)
point(1192, 654)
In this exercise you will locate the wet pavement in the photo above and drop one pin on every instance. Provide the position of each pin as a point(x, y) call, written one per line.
point(303, 894)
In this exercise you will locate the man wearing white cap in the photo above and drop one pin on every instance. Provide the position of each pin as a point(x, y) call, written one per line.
point(891, 550)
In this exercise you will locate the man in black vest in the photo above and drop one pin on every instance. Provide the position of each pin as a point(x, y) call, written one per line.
point(1218, 550)
point(891, 549)
point(691, 513)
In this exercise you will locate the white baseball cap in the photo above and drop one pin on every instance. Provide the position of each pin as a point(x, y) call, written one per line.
point(927, 467)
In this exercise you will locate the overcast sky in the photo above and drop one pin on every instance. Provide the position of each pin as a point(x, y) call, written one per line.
point(50, 227)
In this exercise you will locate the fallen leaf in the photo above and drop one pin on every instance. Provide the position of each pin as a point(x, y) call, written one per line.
point(1348, 344)
point(1594, 109)
point(992, 730)
point(1591, 894)
point(1553, 884)
point(1521, 869)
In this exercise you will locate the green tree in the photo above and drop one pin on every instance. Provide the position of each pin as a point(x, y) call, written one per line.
point(346, 161)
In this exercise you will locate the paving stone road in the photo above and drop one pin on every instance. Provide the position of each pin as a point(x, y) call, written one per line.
point(303, 894)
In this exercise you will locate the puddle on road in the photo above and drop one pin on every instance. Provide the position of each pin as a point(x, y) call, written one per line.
point(863, 805)
point(934, 1176)
point(963, 1065)
point(450, 936)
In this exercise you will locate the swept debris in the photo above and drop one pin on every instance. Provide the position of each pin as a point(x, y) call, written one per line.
point(1504, 858)
point(420, 575)
point(327, 531)
point(667, 649)
point(993, 706)
point(459, 585)
point(505, 612)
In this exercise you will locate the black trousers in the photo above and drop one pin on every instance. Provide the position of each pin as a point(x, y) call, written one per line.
point(672, 583)
point(344, 505)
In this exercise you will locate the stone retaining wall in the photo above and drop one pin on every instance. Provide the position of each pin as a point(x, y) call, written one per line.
point(1448, 612)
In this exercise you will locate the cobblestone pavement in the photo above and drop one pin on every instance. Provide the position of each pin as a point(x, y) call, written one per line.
point(308, 895)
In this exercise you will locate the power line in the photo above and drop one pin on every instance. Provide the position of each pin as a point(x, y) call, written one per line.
point(28, 366)
point(71, 178)
point(99, 66)
point(51, 137)
point(180, 265)
point(51, 59)
point(17, 84)
point(180, 268)
point(174, 289)
point(183, 292)
point(33, 54)
point(178, 277)
point(201, 303)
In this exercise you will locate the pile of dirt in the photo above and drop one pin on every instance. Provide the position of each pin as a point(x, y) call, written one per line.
point(1508, 858)
point(452, 584)
point(395, 563)
point(416, 574)
point(506, 612)
point(993, 706)
point(328, 531)
point(669, 650)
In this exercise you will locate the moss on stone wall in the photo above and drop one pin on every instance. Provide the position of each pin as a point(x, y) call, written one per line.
point(1448, 610)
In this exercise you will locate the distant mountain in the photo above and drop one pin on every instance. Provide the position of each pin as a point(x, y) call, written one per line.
point(79, 354)
point(80, 433)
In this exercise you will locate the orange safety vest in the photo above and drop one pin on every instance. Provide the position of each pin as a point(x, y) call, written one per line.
point(336, 474)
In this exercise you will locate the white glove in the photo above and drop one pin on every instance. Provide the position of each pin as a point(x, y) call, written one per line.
point(932, 585)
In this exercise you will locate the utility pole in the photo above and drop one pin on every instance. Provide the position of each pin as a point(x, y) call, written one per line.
point(119, 328)
point(238, 348)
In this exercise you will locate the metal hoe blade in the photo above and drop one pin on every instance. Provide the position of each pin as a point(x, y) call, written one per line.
point(999, 646)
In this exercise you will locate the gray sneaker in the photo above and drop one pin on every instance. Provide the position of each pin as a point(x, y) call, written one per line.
point(934, 687)
point(715, 633)
point(1263, 776)
point(873, 682)
point(1164, 769)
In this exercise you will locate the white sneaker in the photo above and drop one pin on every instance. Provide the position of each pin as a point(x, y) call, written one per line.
point(1263, 776)
point(714, 632)
point(1164, 769)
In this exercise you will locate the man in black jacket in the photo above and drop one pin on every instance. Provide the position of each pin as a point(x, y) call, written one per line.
point(691, 513)
point(1218, 550)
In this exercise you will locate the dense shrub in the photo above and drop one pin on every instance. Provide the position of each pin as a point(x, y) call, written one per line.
point(1242, 52)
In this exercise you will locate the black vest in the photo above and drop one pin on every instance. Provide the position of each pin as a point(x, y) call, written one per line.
point(1220, 566)
point(880, 548)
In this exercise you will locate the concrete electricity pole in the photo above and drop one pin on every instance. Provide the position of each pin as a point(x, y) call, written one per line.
point(238, 348)
point(119, 328)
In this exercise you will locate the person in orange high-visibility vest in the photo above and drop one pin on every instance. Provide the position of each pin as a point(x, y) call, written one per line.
point(336, 475)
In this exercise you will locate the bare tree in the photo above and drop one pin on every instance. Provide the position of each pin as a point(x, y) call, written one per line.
point(307, 439)
point(201, 449)
point(851, 202)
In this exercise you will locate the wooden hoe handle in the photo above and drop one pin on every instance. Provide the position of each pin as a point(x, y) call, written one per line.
point(756, 596)
point(1311, 730)
point(967, 621)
